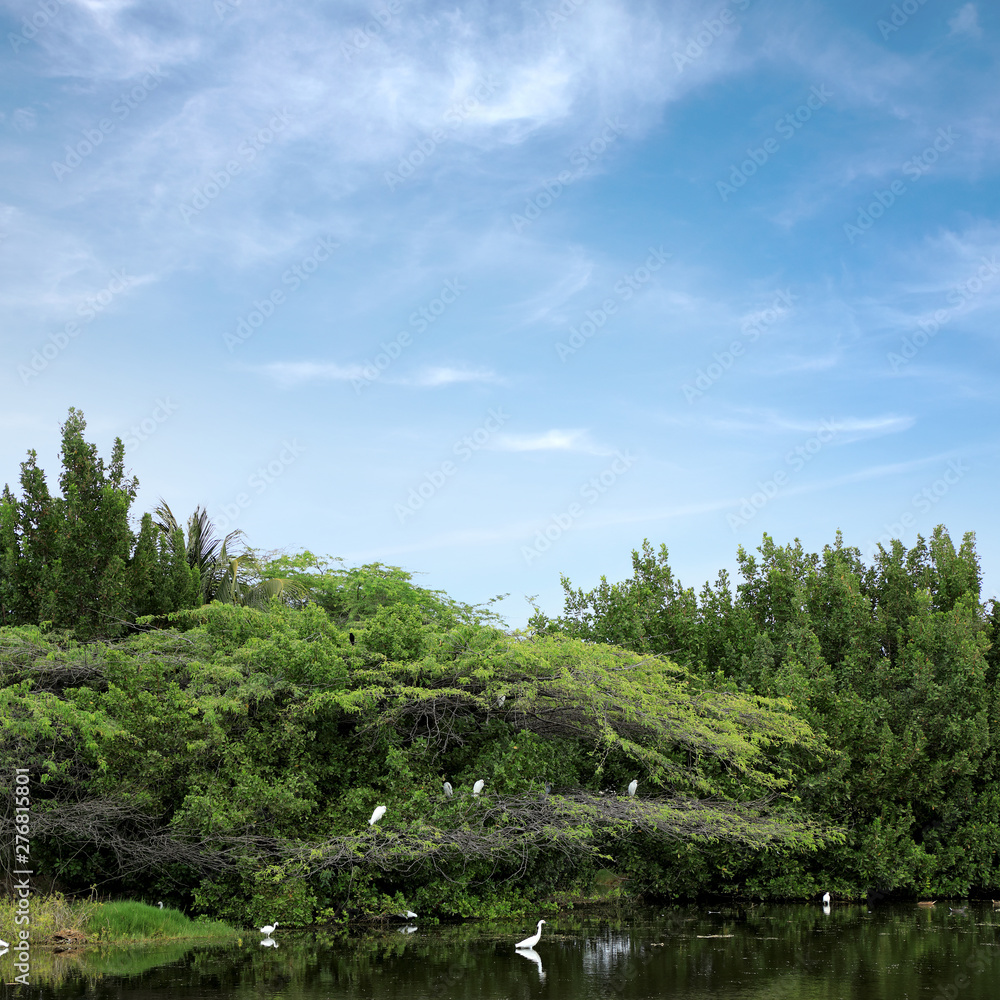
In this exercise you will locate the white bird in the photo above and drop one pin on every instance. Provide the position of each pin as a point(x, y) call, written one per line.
point(478, 786)
point(530, 942)
point(377, 815)
point(268, 929)
point(409, 915)
point(160, 905)
point(501, 700)
point(448, 790)
point(826, 899)
point(632, 787)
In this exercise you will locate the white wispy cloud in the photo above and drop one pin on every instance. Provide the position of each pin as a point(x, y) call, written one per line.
point(432, 378)
point(552, 440)
point(966, 21)
point(290, 373)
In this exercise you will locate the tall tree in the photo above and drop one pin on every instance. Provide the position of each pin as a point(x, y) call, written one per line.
point(68, 560)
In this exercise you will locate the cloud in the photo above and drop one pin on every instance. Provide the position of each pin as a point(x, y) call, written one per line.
point(552, 440)
point(846, 428)
point(966, 21)
point(291, 373)
point(431, 378)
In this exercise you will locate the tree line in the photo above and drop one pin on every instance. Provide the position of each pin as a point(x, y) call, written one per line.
point(215, 727)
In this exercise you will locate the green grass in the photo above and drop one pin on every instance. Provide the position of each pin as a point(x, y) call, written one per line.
point(110, 923)
point(130, 921)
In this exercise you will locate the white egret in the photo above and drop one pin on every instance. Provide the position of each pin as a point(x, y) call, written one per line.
point(448, 790)
point(160, 905)
point(826, 899)
point(478, 786)
point(632, 787)
point(268, 929)
point(409, 915)
point(377, 815)
point(530, 942)
point(501, 700)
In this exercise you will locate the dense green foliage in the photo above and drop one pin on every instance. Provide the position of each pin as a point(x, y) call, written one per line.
point(73, 560)
point(894, 666)
point(828, 725)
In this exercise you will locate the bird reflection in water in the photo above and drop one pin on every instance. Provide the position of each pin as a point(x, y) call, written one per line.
point(532, 956)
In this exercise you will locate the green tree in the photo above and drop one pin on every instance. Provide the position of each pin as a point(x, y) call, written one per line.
point(73, 560)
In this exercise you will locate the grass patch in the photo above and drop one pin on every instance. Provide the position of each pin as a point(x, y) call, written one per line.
point(59, 921)
point(131, 921)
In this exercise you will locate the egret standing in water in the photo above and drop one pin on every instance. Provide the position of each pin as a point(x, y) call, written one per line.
point(632, 788)
point(478, 786)
point(530, 942)
point(377, 815)
point(268, 929)
point(826, 899)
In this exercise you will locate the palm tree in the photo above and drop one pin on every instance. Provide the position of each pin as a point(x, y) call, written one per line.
point(229, 579)
point(204, 549)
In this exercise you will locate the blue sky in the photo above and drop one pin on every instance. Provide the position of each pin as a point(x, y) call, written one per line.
point(493, 291)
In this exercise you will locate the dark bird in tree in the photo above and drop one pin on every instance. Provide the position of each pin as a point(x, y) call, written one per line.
point(350, 638)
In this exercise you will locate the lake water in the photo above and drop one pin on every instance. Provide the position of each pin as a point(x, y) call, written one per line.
point(773, 952)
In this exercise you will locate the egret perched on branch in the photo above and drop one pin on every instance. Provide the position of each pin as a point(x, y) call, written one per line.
point(632, 787)
point(269, 929)
point(478, 786)
point(530, 942)
point(377, 815)
point(501, 700)
point(448, 790)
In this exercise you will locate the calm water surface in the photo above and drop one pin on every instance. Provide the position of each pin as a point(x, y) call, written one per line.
point(787, 952)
